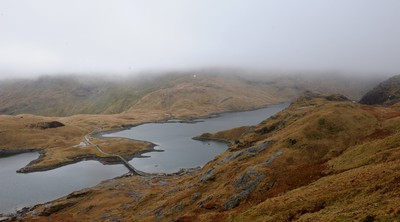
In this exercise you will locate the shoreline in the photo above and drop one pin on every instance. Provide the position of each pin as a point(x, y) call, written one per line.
point(190, 120)
point(4, 153)
point(24, 210)
point(112, 160)
point(201, 138)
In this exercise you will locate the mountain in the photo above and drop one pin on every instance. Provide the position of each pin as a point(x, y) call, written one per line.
point(386, 93)
point(324, 158)
point(69, 95)
point(184, 92)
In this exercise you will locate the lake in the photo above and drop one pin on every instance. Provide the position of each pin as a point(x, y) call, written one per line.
point(179, 150)
point(19, 190)
point(175, 139)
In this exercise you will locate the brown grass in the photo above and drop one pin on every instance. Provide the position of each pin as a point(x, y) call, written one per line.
point(339, 162)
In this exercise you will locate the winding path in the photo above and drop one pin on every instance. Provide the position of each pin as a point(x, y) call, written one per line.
point(124, 161)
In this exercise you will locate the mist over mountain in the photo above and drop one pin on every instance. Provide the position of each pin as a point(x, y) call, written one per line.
point(230, 89)
point(129, 37)
point(125, 93)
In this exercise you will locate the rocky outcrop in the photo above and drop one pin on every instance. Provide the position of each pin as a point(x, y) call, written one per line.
point(386, 93)
point(244, 185)
point(46, 125)
point(246, 153)
point(209, 175)
point(56, 208)
point(336, 97)
point(332, 97)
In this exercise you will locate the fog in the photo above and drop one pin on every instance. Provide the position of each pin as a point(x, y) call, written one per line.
point(124, 37)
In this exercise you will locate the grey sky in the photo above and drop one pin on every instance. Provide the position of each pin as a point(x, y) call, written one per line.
point(117, 36)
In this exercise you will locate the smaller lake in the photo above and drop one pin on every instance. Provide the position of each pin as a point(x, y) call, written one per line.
point(179, 150)
point(19, 190)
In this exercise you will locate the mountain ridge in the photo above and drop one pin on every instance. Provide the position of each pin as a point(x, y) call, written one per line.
point(71, 95)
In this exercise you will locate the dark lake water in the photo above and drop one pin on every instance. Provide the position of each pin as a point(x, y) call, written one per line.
point(19, 190)
point(175, 139)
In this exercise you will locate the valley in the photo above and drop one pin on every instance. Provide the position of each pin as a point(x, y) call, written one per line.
point(177, 97)
point(199, 111)
point(276, 170)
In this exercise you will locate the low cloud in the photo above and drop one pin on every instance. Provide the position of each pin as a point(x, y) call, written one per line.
point(46, 37)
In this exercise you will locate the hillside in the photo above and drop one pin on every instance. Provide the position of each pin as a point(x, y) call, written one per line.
point(69, 95)
point(235, 93)
point(174, 92)
point(386, 93)
point(154, 99)
point(321, 159)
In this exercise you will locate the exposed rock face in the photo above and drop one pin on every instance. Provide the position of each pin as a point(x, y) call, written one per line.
point(244, 185)
point(46, 125)
point(337, 97)
point(246, 153)
point(56, 208)
point(209, 175)
point(386, 93)
point(331, 97)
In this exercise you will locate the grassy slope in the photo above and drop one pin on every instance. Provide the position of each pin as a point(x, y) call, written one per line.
point(199, 95)
point(69, 95)
point(327, 161)
point(58, 144)
point(190, 96)
point(150, 99)
point(176, 92)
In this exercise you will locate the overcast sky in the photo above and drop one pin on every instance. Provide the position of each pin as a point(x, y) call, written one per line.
point(118, 36)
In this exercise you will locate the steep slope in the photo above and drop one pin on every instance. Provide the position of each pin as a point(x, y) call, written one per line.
point(386, 93)
point(321, 159)
point(177, 93)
